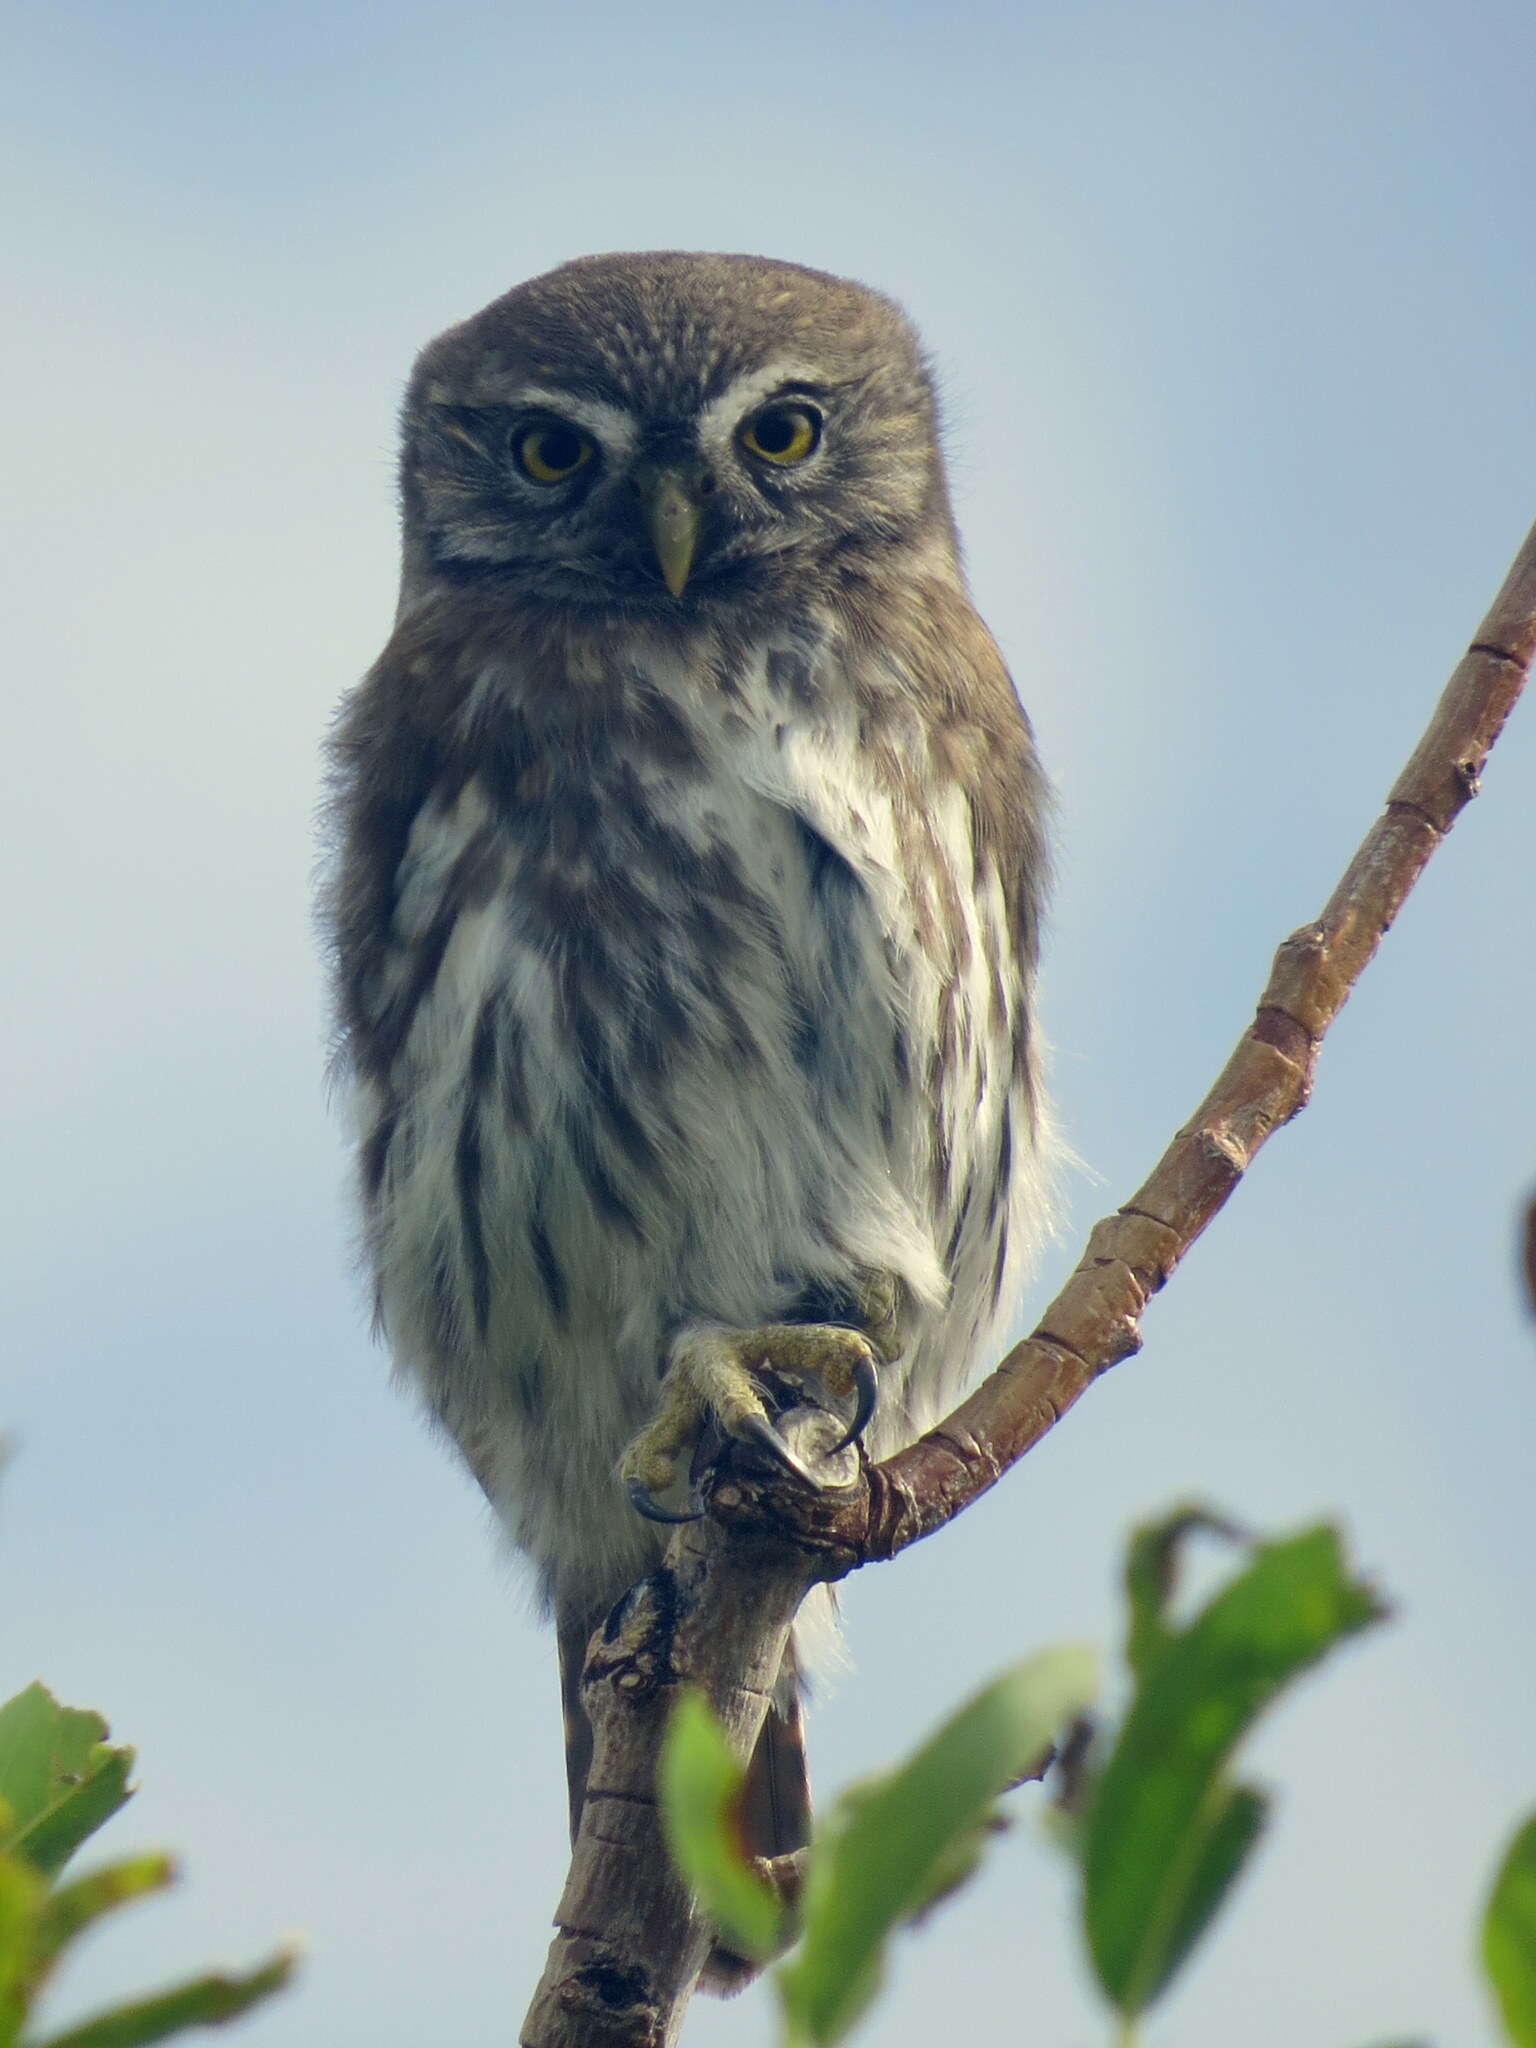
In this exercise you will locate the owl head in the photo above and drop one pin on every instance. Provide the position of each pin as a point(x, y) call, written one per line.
point(669, 435)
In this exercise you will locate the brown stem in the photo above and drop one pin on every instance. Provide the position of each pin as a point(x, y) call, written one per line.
point(628, 1944)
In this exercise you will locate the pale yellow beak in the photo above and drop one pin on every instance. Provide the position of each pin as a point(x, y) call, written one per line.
point(672, 521)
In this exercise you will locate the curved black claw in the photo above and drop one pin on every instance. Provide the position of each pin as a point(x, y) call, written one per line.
point(766, 1437)
point(644, 1502)
point(866, 1383)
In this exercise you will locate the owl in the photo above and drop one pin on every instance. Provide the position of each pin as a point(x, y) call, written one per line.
point(689, 847)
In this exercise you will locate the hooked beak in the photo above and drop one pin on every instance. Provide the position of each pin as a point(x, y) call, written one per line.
point(671, 514)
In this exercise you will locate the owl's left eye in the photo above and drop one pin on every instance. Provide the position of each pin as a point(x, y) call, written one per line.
point(550, 451)
point(782, 434)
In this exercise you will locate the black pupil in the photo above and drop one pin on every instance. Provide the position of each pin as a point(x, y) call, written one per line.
point(775, 431)
point(557, 447)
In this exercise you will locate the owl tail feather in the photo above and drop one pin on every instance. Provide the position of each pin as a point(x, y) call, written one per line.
point(775, 1809)
point(775, 1800)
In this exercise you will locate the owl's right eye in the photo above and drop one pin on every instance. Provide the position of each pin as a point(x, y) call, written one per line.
point(550, 451)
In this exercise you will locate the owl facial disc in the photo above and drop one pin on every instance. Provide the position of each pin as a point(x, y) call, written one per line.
point(687, 438)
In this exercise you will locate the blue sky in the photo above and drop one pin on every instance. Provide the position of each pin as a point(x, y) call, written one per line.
point(1233, 310)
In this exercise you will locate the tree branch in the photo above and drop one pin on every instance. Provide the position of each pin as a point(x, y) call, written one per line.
point(628, 1944)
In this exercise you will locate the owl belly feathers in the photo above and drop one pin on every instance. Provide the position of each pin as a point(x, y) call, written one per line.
point(680, 1007)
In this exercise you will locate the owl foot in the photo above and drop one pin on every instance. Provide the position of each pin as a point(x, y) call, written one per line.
point(729, 1385)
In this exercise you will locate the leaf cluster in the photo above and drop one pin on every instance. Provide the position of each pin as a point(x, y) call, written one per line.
point(60, 1780)
point(1150, 1814)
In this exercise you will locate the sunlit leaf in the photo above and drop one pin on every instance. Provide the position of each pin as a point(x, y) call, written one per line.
point(1509, 1938)
point(59, 1778)
point(701, 1786)
point(889, 1846)
point(1165, 1836)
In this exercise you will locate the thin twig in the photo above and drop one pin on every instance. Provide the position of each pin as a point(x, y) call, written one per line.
point(628, 1944)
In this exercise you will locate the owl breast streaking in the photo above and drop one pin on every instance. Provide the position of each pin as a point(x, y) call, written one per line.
point(685, 909)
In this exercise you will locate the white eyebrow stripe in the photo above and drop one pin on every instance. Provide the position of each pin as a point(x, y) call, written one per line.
point(720, 418)
point(609, 424)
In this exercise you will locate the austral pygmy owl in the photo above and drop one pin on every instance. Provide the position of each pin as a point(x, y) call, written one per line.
point(688, 874)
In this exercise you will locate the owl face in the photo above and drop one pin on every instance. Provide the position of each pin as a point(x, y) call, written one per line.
point(668, 435)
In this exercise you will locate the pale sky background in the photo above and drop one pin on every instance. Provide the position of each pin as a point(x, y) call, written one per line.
point(1234, 306)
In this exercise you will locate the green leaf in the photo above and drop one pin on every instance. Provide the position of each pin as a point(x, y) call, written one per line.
point(701, 1785)
point(1152, 1561)
point(1219, 1847)
point(204, 2002)
point(21, 1891)
point(890, 1846)
point(1166, 1836)
point(1509, 1937)
point(71, 1908)
point(59, 1778)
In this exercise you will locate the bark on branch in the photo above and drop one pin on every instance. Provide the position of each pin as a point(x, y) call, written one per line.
point(628, 1944)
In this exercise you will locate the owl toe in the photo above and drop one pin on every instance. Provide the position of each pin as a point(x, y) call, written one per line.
point(729, 1385)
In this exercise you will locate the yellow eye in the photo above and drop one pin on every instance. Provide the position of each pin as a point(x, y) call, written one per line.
point(548, 454)
point(782, 433)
